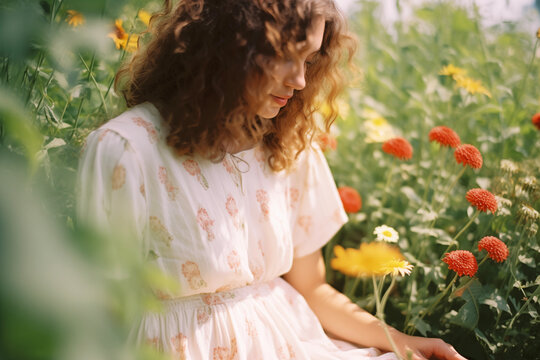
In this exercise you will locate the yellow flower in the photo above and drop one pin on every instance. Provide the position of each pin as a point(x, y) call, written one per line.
point(144, 16)
point(471, 86)
point(74, 18)
point(374, 258)
point(343, 109)
point(378, 129)
point(123, 40)
point(399, 267)
point(452, 70)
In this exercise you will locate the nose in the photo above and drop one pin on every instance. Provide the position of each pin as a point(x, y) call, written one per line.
point(296, 77)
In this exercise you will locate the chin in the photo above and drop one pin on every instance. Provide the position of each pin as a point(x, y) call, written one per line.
point(269, 113)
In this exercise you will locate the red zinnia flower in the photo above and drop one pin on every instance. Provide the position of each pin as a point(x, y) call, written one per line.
point(444, 136)
point(468, 155)
point(536, 120)
point(497, 250)
point(352, 202)
point(398, 147)
point(482, 199)
point(461, 261)
point(327, 141)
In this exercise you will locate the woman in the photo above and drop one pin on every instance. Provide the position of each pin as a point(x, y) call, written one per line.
point(212, 172)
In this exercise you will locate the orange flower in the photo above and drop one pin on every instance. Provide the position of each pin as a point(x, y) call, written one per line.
point(74, 18)
point(497, 250)
point(468, 155)
point(123, 40)
point(444, 136)
point(327, 141)
point(536, 119)
point(352, 202)
point(461, 261)
point(398, 147)
point(482, 200)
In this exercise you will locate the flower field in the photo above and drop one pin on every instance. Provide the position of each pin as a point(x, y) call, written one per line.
point(436, 153)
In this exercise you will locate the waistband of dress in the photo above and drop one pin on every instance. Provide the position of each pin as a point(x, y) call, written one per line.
point(222, 297)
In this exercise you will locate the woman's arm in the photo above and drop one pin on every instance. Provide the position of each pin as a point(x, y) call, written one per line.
point(345, 320)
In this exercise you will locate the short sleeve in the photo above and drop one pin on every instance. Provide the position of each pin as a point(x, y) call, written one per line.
point(110, 189)
point(319, 214)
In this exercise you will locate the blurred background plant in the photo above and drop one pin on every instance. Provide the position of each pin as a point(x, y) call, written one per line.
point(442, 67)
point(62, 297)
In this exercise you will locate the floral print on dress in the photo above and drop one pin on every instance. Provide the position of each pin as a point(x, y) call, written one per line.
point(179, 346)
point(172, 191)
point(191, 272)
point(212, 299)
point(251, 330)
point(203, 314)
point(294, 196)
point(206, 223)
point(256, 270)
point(118, 177)
point(232, 210)
point(192, 167)
point(233, 260)
point(262, 199)
point(103, 134)
point(305, 222)
point(142, 190)
point(226, 352)
point(286, 353)
point(231, 169)
point(149, 127)
point(160, 230)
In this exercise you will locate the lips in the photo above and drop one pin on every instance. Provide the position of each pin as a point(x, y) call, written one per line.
point(281, 100)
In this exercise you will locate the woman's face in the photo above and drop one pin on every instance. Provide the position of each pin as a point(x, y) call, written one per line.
point(287, 75)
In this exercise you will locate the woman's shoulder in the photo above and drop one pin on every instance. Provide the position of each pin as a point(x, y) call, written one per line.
point(141, 124)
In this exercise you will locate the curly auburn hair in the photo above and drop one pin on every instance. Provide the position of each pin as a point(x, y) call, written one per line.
point(207, 58)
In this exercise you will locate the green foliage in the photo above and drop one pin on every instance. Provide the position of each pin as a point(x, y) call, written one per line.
point(59, 292)
point(403, 85)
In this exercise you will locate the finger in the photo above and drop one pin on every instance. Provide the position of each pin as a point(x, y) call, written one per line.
point(446, 351)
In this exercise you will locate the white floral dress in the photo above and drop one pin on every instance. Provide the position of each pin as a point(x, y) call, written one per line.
point(224, 231)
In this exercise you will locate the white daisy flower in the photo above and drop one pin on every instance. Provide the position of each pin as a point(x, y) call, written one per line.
point(386, 233)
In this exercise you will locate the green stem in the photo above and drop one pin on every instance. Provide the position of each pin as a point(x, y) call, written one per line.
point(350, 292)
point(34, 77)
point(439, 298)
point(388, 180)
point(95, 85)
point(523, 307)
point(454, 239)
point(43, 93)
point(380, 315)
point(447, 193)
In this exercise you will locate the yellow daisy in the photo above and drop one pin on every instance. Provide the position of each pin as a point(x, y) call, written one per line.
point(123, 40)
point(374, 258)
point(74, 18)
point(451, 70)
point(471, 86)
point(144, 16)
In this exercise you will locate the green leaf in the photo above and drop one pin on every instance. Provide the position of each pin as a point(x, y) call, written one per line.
point(482, 337)
point(467, 315)
point(422, 326)
point(18, 125)
point(527, 260)
point(497, 301)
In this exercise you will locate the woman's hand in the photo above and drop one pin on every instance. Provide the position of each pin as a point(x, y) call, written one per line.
point(346, 321)
point(425, 348)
